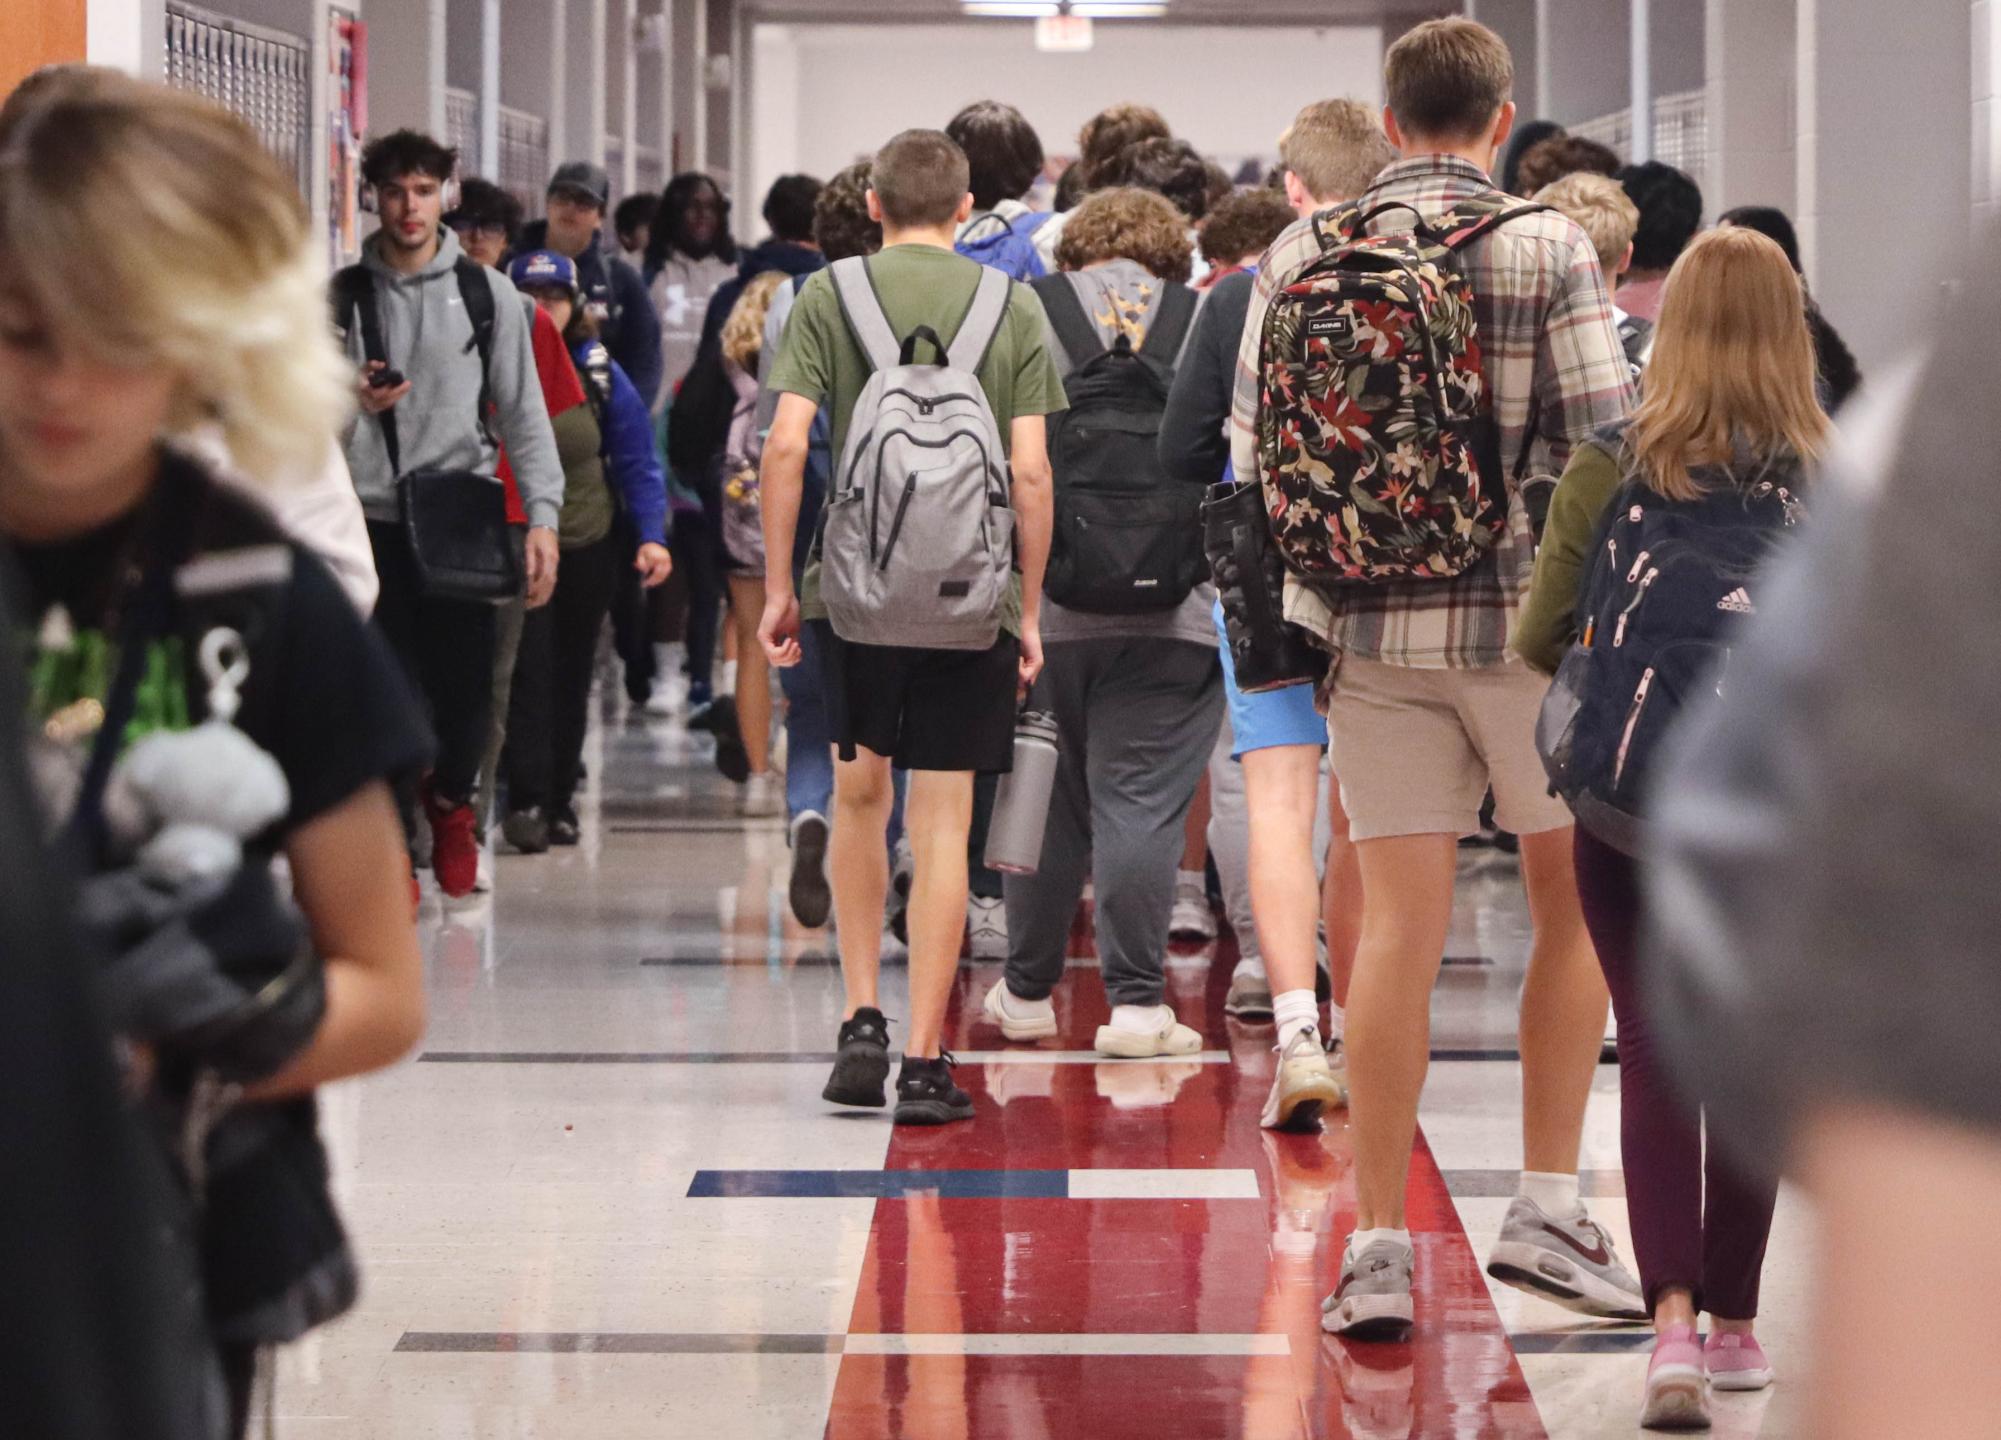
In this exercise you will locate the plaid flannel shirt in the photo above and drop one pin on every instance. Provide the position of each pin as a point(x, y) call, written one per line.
point(1548, 340)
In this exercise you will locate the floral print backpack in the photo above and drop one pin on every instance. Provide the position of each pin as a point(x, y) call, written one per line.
point(1377, 446)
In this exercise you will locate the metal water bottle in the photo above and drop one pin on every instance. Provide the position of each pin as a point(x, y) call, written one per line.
point(1021, 804)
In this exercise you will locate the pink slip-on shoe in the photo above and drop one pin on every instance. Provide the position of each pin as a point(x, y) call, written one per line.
point(1677, 1388)
point(1736, 1362)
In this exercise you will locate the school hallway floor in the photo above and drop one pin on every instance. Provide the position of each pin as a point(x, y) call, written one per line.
point(606, 1202)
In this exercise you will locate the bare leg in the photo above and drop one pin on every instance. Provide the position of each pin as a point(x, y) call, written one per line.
point(753, 670)
point(863, 795)
point(1908, 1348)
point(1281, 785)
point(937, 816)
point(1341, 895)
point(1564, 1002)
point(1407, 910)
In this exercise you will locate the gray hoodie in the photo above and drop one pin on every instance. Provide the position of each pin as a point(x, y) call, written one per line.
point(429, 338)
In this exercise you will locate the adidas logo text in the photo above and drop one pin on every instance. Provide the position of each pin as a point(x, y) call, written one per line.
point(1738, 602)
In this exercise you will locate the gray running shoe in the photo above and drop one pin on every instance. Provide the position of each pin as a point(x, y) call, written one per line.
point(1372, 1302)
point(1571, 1262)
point(1250, 994)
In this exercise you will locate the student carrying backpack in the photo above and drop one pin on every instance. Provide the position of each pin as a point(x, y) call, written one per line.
point(1006, 243)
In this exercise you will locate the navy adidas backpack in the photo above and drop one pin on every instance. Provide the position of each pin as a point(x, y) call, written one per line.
point(1007, 245)
point(1663, 596)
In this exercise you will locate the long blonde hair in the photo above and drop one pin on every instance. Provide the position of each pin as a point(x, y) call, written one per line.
point(151, 225)
point(743, 332)
point(1732, 368)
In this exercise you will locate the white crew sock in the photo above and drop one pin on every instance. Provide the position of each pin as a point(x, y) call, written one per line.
point(1337, 1021)
point(1361, 1240)
point(1195, 880)
point(1294, 1011)
point(1141, 1019)
point(1556, 1194)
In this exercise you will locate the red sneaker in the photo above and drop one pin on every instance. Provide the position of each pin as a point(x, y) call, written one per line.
point(454, 846)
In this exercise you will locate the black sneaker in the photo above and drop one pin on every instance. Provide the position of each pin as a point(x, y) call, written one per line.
point(526, 831)
point(862, 1066)
point(563, 826)
point(731, 756)
point(809, 892)
point(925, 1094)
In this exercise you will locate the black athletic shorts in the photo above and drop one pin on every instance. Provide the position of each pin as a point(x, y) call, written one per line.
point(925, 709)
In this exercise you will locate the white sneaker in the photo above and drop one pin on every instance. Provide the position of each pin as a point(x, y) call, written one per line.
point(763, 797)
point(1019, 1019)
point(1193, 917)
point(1303, 1086)
point(1165, 1036)
point(986, 928)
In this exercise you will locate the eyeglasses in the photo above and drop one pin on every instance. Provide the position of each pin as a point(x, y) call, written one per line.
point(484, 230)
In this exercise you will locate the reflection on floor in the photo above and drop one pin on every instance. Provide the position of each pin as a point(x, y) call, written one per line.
point(607, 1202)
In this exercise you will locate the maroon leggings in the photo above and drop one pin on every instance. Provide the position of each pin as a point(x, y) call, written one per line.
point(1711, 1244)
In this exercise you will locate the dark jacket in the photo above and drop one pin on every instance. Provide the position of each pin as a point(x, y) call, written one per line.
point(1194, 435)
point(783, 255)
point(617, 297)
point(631, 459)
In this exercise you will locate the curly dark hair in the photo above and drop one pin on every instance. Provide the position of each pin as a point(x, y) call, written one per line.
point(1127, 223)
point(407, 152)
point(1173, 168)
point(1116, 128)
point(1548, 161)
point(482, 203)
point(840, 216)
point(788, 206)
point(670, 222)
point(1002, 149)
point(1245, 223)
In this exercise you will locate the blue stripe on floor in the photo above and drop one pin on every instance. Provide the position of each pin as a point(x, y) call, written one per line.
point(880, 1184)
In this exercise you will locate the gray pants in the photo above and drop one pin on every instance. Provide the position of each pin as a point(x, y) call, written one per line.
point(1136, 720)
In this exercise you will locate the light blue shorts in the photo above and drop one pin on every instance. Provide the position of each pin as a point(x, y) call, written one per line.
point(1273, 718)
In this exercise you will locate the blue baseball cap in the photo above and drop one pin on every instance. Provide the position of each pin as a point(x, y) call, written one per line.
point(543, 270)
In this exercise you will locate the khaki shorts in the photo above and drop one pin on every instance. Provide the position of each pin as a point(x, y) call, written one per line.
point(1417, 750)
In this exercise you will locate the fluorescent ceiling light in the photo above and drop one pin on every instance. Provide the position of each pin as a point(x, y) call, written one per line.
point(1118, 9)
point(1011, 9)
point(1082, 9)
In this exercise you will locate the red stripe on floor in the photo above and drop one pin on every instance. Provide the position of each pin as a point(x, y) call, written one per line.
point(1219, 1267)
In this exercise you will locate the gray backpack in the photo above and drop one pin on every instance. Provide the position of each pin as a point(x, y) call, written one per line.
point(917, 538)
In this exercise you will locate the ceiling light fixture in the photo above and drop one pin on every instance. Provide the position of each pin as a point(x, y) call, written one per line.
point(1052, 9)
point(1011, 9)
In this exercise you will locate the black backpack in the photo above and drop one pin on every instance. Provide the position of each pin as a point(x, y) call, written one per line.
point(1127, 539)
point(1667, 586)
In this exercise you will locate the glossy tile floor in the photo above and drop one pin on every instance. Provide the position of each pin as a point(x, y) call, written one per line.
point(606, 1200)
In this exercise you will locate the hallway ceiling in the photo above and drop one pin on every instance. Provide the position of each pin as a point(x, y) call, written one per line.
point(1237, 12)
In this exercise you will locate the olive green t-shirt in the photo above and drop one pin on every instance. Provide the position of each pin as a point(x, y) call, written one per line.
point(919, 285)
point(587, 505)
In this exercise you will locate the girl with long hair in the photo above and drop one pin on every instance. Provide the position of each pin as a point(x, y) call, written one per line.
point(206, 698)
point(1730, 405)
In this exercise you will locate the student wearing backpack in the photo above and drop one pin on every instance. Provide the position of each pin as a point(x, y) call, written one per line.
point(609, 467)
point(1006, 158)
point(1268, 785)
point(928, 643)
point(1101, 138)
point(455, 400)
point(1415, 596)
point(1713, 460)
point(1131, 678)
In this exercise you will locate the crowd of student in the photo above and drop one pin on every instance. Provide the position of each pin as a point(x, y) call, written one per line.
point(1278, 506)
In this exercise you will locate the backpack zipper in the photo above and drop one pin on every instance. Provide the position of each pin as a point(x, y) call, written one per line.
point(1619, 631)
point(1632, 724)
point(896, 523)
point(1638, 565)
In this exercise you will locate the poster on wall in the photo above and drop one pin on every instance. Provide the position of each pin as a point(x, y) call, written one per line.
point(347, 122)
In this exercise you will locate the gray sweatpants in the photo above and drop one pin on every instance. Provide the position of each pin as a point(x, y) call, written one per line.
point(1136, 720)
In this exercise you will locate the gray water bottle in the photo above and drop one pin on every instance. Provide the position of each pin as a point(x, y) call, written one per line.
point(1021, 803)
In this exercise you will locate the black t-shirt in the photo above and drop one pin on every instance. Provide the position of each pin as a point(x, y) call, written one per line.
point(324, 698)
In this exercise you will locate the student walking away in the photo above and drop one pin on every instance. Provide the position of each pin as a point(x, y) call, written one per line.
point(1607, 215)
point(447, 370)
point(689, 256)
point(1659, 539)
point(609, 467)
point(613, 291)
point(1526, 136)
point(1235, 233)
point(1840, 376)
point(927, 635)
point(1427, 708)
point(1820, 893)
point(1670, 206)
point(843, 227)
point(1332, 152)
point(1102, 137)
point(1131, 676)
point(1551, 160)
point(1006, 158)
point(632, 223)
point(487, 220)
point(205, 696)
point(790, 250)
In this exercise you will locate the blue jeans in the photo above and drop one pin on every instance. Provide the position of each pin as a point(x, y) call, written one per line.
point(809, 741)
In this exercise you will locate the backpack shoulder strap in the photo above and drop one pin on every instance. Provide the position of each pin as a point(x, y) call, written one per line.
point(981, 323)
point(1169, 330)
point(1470, 219)
point(1075, 330)
point(861, 307)
point(477, 293)
point(978, 232)
point(354, 301)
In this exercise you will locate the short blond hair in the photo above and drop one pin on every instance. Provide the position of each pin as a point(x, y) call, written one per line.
point(1448, 79)
point(743, 332)
point(1336, 148)
point(153, 225)
point(1602, 210)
